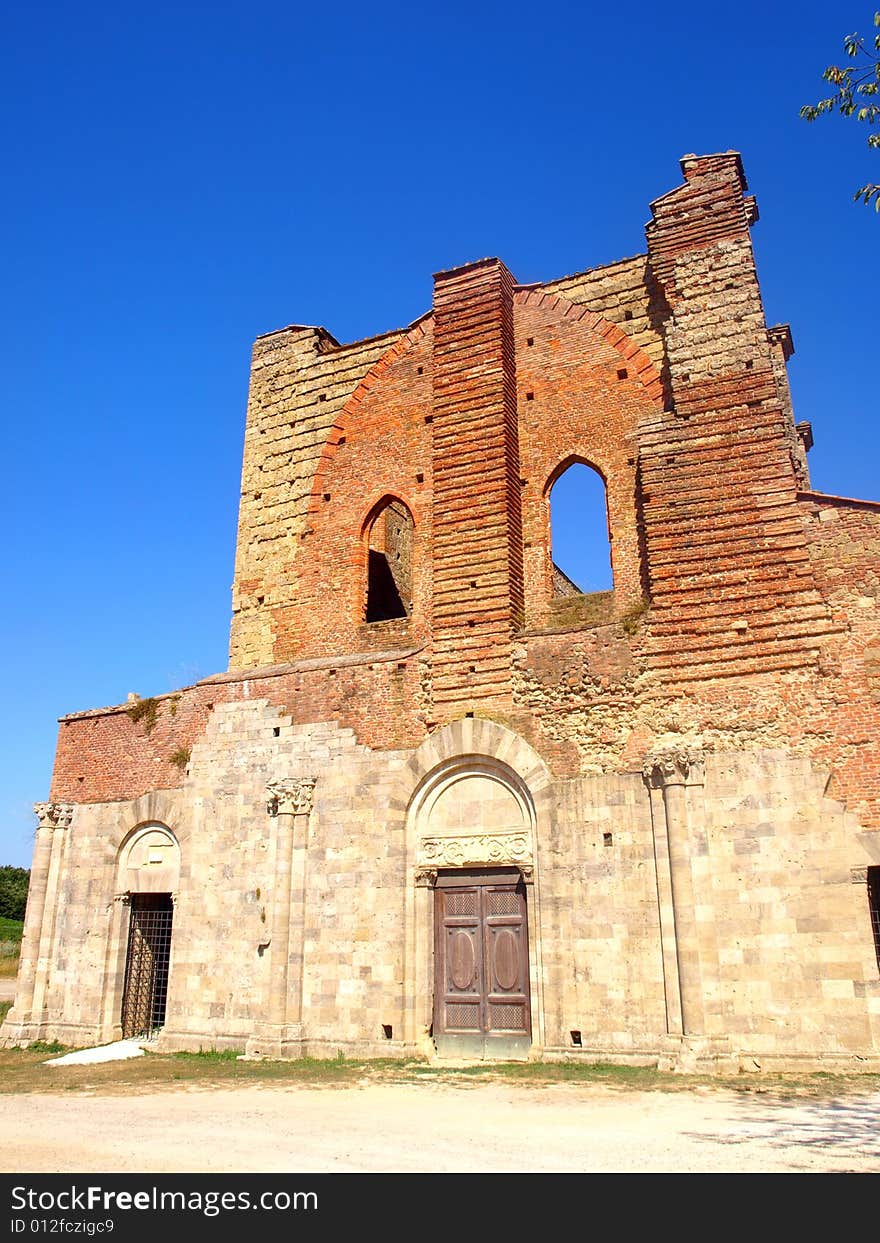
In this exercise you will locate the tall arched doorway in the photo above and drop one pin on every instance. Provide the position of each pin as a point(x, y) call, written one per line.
point(474, 846)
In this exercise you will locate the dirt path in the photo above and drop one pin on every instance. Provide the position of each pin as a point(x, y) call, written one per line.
point(437, 1127)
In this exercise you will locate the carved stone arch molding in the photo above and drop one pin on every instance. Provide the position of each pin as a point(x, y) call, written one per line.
point(472, 810)
point(149, 860)
point(164, 807)
point(480, 742)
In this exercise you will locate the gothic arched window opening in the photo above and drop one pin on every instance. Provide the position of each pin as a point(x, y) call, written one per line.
point(580, 539)
point(389, 563)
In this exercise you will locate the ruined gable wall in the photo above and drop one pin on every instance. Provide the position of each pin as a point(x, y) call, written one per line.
point(300, 380)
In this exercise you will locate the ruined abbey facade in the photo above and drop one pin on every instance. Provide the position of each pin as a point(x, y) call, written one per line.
point(442, 802)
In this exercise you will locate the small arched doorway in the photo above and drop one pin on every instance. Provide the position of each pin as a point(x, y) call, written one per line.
point(149, 875)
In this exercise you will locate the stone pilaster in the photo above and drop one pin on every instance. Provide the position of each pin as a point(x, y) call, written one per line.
point(26, 1020)
point(289, 804)
point(668, 773)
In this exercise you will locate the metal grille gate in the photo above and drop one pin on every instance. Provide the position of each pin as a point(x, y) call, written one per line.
point(146, 964)
point(874, 907)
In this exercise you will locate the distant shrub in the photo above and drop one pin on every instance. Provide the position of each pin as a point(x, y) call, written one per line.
point(13, 892)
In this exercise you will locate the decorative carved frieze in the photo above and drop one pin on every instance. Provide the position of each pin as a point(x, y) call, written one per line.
point(859, 876)
point(54, 815)
point(483, 848)
point(681, 766)
point(293, 797)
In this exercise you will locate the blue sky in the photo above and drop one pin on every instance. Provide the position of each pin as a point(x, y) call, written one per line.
point(181, 178)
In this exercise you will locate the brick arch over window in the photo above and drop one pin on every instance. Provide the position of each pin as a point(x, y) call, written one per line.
point(379, 447)
point(345, 424)
point(580, 543)
point(387, 541)
point(584, 392)
point(643, 370)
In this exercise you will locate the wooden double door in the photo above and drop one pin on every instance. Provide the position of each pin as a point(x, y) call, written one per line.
point(481, 965)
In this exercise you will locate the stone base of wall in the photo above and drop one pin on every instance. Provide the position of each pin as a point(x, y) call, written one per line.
point(707, 913)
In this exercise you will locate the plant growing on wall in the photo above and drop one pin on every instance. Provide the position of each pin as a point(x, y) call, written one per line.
point(180, 757)
point(145, 712)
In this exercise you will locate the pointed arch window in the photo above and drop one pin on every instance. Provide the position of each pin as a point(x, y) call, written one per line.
point(389, 536)
point(580, 536)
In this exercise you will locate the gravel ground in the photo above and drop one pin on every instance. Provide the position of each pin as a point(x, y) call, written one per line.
point(437, 1127)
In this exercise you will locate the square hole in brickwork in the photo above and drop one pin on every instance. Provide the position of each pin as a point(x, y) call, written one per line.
point(326, 496)
point(530, 396)
point(530, 340)
point(401, 666)
point(622, 373)
point(421, 370)
point(257, 495)
point(340, 441)
point(473, 669)
point(607, 839)
point(387, 1031)
point(420, 478)
point(261, 599)
point(322, 397)
point(276, 732)
point(469, 714)
point(749, 364)
point(429, 418)
point(627, 314)
point(576, 1039)
point(331, 673)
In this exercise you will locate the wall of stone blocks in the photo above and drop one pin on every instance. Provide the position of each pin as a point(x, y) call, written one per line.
point(779, 920)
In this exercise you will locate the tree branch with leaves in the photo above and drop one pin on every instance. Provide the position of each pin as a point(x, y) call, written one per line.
point(858, 86)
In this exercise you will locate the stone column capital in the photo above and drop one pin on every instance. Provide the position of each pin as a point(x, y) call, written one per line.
point(293, 796)
point(54, 815)
point(679, 766)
